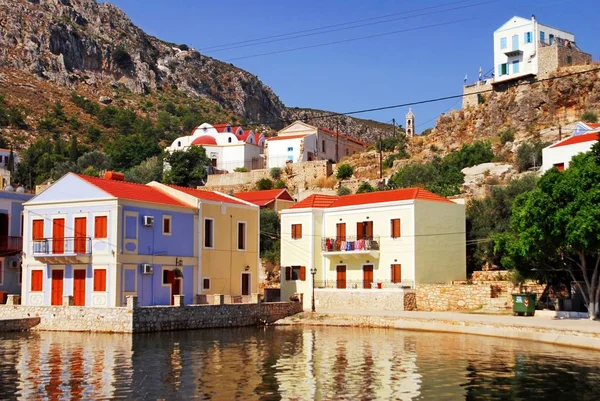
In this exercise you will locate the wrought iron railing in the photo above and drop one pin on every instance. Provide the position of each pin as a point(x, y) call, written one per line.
point(349, 244)
point(10, 244)
point(63, 246)
point(365, 284)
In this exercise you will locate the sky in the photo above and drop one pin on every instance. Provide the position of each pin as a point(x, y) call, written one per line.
point(421, 50)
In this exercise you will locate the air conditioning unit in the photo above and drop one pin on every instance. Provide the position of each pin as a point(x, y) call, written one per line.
point(147, 268)
point(148, 221)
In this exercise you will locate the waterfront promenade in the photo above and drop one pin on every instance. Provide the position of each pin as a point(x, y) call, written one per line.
point(582, 333)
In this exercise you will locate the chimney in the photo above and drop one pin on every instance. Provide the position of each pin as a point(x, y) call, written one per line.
point(114, 176)
point(533, 17)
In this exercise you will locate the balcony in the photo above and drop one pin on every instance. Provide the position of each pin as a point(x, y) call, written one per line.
point(363, 284)
point(63, 250)
point(10, 245)
point(350, 245)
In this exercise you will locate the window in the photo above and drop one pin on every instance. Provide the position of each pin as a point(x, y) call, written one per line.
point(206, 283)
point(569, 59)
point(38, 230)
point(560, 166)
point(340, 231)
point(37, 277)
point(100, 227)
point(296, 231)
point(503, 69)
point(1, 276)
point(395, 228)
point(208, 233)
point(291, 149)
point(503, 43)
point(166, 226)
point(323, 145)
point(100, 280)
point(364, 230)
point(179, 144)
point(396, 273)
point(293, 273)
point(515, 42)
point(168, 276)
point(241, 236)
point(551, 38)
point(515, 66)
point(542, 36)
point(528, 37)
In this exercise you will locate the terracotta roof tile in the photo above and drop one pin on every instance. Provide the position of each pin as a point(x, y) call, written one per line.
point(577, 139)
point(349, 138)
point(207, 195)
point(263, 198)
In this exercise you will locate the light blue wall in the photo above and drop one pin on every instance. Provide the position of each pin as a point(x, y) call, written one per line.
point(152, 292)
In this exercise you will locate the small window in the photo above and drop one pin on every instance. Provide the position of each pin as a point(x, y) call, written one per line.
point(396, 273)
point(504, 69)
point(516, 66)
point(179, 144)
point(241, 236)
point(395, 228)
point(569, 60)
point(229, 139)
point(166, 279)
point(100, 227)
point(206, 283)
point(166, 226)
point(503, 43)
point(323, 145)
point(542, 36)
point(208, 233)
point(37, 277)
point(296, 231)
point(100, 280)
point(293, 273)
point(290, 149)
point(528, 37)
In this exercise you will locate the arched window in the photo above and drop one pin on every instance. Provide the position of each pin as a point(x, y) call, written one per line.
point(229, 139)
point(179, 144)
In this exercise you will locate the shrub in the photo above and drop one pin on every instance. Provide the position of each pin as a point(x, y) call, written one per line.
point(280, 184)
point(240, 170)
point(275, 173)
point(122, 58)
point(589, 117)
point(529, 155)
point(480, 99)
point(365, 187)
point(507, 135)
point(344, 171)
point(264, 184)
point(183, 47)
point(342, 191)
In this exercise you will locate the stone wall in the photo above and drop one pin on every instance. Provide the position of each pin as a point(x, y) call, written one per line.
point(552, 57)
point(444, 297)
point(22, 324)
point(368, 300)
point(489, 275)
point(470, 92)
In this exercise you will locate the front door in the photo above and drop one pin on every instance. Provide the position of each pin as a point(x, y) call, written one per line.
point(341, 277)
point(79, 287)
point(80, 235)
point(175, 289)
point(58, 236)
point(57, 287)
point(245, 283)
point(367, 276)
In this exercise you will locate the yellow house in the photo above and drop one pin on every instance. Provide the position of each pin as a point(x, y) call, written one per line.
point(228, 240)
point(382, 240)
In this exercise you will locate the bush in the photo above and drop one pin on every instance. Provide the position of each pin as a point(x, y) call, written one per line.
point(344, 171)
point(365, 187)
point(240, 170)
point(508, 135)
point(342, 191)
point(589, 117)
point(183, 47)
point(264, 184)
point(279, 184)
point(471, 155)
point(275, 173)
point(529, 155)
point(122, 58)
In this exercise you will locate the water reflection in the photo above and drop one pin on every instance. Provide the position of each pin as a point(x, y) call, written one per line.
point(291, 363)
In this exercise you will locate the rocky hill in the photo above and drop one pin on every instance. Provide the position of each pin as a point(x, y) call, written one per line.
point(95, 49)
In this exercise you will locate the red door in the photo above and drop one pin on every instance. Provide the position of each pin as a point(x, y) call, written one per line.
point(367, 276)
point(175, 288)
point(57, 287)
point(58, 236)
point(341, 277)
point(79, 287)
point(245, 284)
point(80, 235)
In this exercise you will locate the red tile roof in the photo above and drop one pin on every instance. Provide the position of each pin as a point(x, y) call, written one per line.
point(593, 125)
point(577, 139)
point(132, 191)
point(220, 127)
point(263, 198)
point(328, 201)
point(207, 195)
point(349, 138)
point(246, 134)
point(204, 140)
point(280, 138)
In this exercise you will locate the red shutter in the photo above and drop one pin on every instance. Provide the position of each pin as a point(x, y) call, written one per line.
point(100, 227)
point(395, 228)
point(100, 280)
point(303, 273)
point(288, 273)
point(36, 280)
point(360, 233)
point(38, 230)
point(369, 230)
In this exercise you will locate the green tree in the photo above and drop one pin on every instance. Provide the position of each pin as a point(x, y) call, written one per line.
point(128, 151)
point(10, 165)
point(342, 191)
point(437, 176)
point(275, 173)
point(93, 134)
point(96, 159)
point(270, 231)
point(73, 150)
point(365, 186)
point(147, 171)
point(557, 227)
point(187, 168)
point(264, 184)
point(589, 116)
point(344, 172)
point(280, 184)
point(529, 154)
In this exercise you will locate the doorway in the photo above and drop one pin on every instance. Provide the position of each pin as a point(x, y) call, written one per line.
point(58, 236)
point(80, 234)
point(341, 277)
point(79, 287)
point(175, 289)
point(367, 276)
point(246, 283)
point(57, 287)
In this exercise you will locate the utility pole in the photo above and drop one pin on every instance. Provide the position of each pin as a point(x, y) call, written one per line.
point(380, 157)
point(394, 125)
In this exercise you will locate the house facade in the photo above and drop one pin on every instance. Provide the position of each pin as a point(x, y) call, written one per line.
point(273, 199)
point(11, 241)
point(559, 155)
point(392, 239)
point(524, 47)
point(301, 142)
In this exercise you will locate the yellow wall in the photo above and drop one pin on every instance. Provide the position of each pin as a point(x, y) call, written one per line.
point(440, 242)
point(224, 264)
point(281, 204)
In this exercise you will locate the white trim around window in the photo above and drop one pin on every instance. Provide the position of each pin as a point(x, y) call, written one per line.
point(204, 280)
point(212, 234)
point(169, 219)
point(245, 236)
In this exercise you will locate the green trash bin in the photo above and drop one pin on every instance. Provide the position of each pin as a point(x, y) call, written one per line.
point(524, 304)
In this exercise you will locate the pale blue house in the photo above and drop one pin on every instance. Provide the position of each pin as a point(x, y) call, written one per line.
point(102, 239)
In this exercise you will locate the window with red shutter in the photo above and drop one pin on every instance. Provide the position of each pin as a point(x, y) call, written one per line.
point(296, 231)
point(100, 227)
point(100, 280)
point(288, 273)
point(303, 273)
point(37, 280)
point(395, 228)
point(396, 273)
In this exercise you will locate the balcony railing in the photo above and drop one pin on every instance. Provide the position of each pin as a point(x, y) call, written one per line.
point(350, 244)
point(10, 245)
point(364, 284)
point(63, 246)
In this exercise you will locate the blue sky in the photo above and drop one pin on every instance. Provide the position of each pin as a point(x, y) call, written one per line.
point(420, 63)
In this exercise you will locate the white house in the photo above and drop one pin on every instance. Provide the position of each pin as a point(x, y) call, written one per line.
point(371, 242)
point(559, 155)
point(524, 47)
point(227, 147)
point(301, 142)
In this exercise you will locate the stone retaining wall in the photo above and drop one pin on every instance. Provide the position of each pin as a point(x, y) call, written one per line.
point(445, 297)
point(369, 300)
point(23, 324)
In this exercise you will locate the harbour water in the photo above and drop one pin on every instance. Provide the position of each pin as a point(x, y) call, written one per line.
point(297, 363)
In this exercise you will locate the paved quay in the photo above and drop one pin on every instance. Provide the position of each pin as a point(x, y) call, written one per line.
point(583, 333)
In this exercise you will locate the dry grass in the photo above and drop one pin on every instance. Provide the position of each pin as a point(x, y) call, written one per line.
point(324, 182)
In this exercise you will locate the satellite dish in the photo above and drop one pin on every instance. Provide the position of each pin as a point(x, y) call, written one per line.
point(9, 188)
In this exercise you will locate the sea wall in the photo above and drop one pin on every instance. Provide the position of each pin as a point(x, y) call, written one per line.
point(368, 300)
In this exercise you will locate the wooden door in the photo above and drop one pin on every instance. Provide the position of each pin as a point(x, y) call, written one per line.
point(245, 284)
point(367, 276)
point(58, 236)
point(80, 235)
point(175, 288)
point(341, 231)
point(79, 287)
point(341, 277)
point(57, 287)
point(368, 230)
point(360, 230)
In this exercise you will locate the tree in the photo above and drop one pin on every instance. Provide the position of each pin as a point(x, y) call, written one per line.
point(344, 172)
point(149, 170)
point(128, 151)
point(342, 191)
point(589, 117)
point(557, 227)
point(187, 168)
point(73, 151)
point(270, 231)
point(529, 154)
point(437, 176)
point(95, 159)
point(275, 173)
point(365, 186)
point(264, 184)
